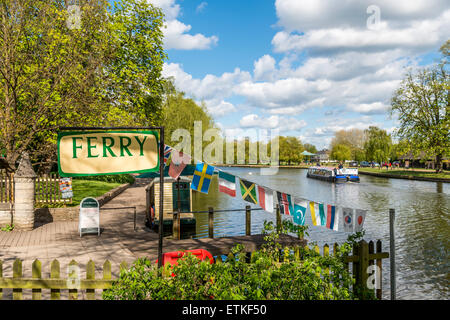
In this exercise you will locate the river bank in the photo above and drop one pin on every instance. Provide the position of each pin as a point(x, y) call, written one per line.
point(406, 174)
point(410, 174)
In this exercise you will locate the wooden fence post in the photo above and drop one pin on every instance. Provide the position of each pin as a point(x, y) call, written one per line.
point(211, 222)
point(392, 252)
point(90, 275)
point(36, 270)
point(106, 271)
point(176, 225)
point(55, 294)
point(1, 276)
point(379, 269)
point(123, 266)
point(278, 218)
point(248, 222)
point(17, 273)
point(363, 265)
point(73, 292)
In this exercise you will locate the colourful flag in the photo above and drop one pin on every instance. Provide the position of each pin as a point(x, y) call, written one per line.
point(332, 218)
point(360, 217)
point(167, 152)
point(265, 198)
point(300, 211)
point(248, 191)
point(178, 163)
point(347, 218)
point(227, 183)
point(317, 214)
point(202, 177)
point(285, 203)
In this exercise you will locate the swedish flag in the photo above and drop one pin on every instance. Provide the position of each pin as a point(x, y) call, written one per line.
point(202, 177)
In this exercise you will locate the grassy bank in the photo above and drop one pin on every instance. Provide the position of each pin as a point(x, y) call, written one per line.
point(90, 188)
point(82, 189)
point(419, 173)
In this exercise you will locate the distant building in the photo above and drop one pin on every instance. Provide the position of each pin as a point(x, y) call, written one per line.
point(322, 156)
point(408, 160)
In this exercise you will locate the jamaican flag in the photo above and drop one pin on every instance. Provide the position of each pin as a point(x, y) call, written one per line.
point(248, 191)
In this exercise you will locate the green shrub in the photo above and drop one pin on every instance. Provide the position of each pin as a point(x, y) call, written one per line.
point(8, 228)
point(114, 178)
point(272, 273)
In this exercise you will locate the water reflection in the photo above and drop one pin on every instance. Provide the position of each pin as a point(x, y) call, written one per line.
point(422, 221)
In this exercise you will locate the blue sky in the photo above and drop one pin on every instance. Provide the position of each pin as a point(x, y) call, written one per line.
point(306, 68)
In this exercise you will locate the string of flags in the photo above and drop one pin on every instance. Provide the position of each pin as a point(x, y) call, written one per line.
point(325, 216)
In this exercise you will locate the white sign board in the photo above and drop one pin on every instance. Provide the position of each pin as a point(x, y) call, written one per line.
point(89, 221)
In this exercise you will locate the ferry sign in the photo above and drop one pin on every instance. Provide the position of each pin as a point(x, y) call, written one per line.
point(107, 152)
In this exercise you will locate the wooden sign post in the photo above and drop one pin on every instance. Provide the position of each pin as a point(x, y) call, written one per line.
point(91, 151)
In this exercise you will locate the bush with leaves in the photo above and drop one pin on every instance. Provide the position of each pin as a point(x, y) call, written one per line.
point(272, 272)
point(116, 178)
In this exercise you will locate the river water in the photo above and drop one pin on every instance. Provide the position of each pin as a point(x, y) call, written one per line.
point(422, 225)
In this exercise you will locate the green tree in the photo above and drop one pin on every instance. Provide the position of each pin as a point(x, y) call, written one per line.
point(422, 106)
point(310, 148)
point(179, 112)
point(136, 57)
point(340, 152)
point(106, 72)
point(378, 145)
point(352, 138)
point(290, 149)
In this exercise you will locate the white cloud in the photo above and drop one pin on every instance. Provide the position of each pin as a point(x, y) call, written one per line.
point(170, 9)
point(369, 108)
point(292, 92)
point(219, 108)
point(176, 34)
point(253, 120)
point(176, 37)
point(264, 68)
point(201, 7)
point(273, 122)
point(325, 26)
point(304, 15)
point(208, 88)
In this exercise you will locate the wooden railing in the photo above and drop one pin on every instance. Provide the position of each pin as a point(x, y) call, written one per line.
point(363, 256)
point(6, 187)
point(55, 283)
point(47, 190)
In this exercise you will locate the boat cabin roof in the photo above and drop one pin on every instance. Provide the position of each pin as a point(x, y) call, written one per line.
point(169, 180)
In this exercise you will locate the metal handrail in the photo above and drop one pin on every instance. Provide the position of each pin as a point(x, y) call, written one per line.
point(222, 210)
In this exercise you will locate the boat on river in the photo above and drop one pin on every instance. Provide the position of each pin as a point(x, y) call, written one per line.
point(333, 174)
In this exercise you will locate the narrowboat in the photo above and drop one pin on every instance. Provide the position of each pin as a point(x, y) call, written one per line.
point(333, 174)
point(175, 193)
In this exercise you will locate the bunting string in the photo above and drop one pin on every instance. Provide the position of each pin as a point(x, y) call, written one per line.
point(297, 207)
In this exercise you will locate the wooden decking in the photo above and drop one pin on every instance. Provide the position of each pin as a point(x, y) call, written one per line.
point(118, 241)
